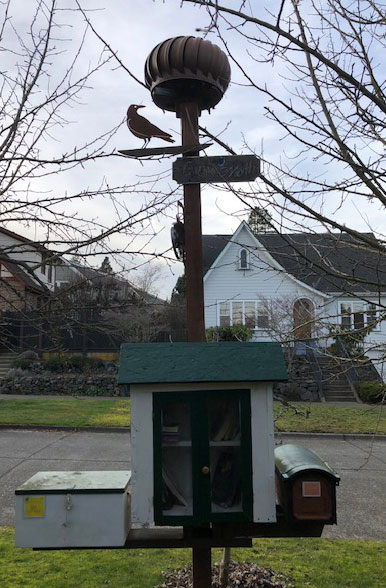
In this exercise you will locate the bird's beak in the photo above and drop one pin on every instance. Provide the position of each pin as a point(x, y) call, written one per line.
point(140, 106)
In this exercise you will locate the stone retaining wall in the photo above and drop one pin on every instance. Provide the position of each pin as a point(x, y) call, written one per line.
point(63, 384)
point(301, 383)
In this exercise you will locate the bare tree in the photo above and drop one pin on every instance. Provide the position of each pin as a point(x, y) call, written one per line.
point(325, 90)
point(45, 79)
point(333, 102)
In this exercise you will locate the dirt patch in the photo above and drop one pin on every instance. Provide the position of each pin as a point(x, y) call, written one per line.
point(241, 575)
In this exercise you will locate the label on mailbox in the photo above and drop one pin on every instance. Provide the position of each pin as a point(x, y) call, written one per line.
point(34, 507)
point(217, 169)
point(311, 489)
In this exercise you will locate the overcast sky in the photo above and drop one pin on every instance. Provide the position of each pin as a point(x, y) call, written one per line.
point(133, 28)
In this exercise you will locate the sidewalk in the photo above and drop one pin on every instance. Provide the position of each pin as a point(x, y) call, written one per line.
point(278, 434)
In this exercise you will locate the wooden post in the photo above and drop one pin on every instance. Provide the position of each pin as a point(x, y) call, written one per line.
point(189, 113)
point(202, 567)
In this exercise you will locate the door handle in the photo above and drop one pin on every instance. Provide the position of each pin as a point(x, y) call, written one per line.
point(205, 470)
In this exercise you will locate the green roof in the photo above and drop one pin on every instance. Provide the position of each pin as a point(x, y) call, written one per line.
point(150, 363)
point(293, 460)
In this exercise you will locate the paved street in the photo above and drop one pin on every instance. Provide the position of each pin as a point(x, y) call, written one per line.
point(361, 464)
point(361, 496)
point(23, 453)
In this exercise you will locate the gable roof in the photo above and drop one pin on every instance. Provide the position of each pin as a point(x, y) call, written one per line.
point(36, 245)
point(22, 275)
point(328, 262)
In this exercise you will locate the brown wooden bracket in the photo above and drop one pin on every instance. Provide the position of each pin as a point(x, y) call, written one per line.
point(219, 535)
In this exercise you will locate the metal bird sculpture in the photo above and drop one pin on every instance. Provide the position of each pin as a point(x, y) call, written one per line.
point(143, 128)
point(178, 239)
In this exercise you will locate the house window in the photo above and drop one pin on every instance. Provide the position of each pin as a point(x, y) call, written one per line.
point(358, 315)
point(345, 315)
point(251, 313)
point(371, 315)
point(237, 313)
point(262, 316)
point(244, 259)
point(43, 264)
point(225, 319)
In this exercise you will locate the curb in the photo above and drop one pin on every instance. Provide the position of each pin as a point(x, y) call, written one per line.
point(68, 429)
point(344, 436)
point(278, 434)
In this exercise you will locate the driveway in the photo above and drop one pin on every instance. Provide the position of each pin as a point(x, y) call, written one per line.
point(361, 463)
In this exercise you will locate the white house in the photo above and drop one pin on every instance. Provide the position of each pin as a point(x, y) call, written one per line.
point(295, 286)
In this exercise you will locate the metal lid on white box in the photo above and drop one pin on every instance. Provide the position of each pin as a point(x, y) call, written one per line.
point(76, 482)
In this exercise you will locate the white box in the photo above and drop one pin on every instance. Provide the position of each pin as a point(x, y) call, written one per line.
point(73, 509)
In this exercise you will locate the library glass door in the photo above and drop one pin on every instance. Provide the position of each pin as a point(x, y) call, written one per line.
point(202, 457)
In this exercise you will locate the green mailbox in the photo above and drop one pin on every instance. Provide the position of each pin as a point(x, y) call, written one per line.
point(305, 485)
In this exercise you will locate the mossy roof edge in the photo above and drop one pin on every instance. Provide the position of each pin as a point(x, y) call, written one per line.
point(200, 362)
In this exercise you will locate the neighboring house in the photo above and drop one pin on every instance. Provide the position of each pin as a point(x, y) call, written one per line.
point(112, 292)
point(81, 300)
point(27, 275)
point(296, 287)
point(107, 301)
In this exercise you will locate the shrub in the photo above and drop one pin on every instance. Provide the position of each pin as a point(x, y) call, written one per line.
point(81, 363)
point(332, 349)
point(235, 333)
point(56, 364)
point(26, 359)
point(74, 364)
point(21, 363)
point(373, 392)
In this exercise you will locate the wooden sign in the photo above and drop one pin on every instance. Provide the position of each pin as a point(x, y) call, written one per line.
point(221, 168)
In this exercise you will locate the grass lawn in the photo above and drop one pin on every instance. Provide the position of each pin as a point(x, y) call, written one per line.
point(115, 412)
point(310, 563)
point(69, 412)
point(327, 418)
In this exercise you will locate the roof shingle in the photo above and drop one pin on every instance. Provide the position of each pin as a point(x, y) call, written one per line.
point(329, 262)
